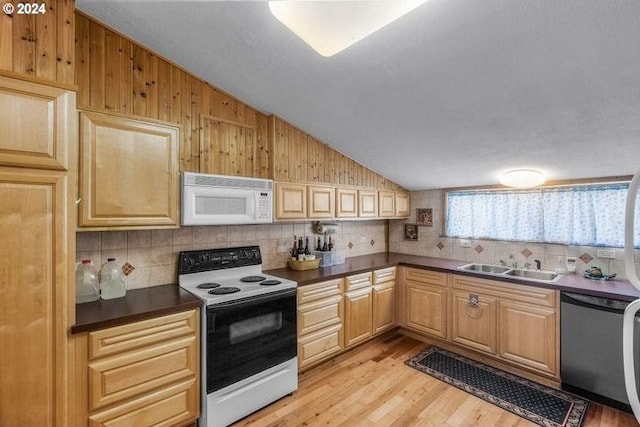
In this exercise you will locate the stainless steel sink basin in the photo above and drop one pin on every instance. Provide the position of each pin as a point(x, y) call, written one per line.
point(484, 268)
point(538, 275)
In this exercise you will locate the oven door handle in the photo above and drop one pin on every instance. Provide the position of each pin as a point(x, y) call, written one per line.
point(254, 300)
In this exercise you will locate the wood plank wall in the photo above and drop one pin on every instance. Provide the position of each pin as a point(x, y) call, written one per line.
point(116, 75)
point(299, 157)
point(40, 46)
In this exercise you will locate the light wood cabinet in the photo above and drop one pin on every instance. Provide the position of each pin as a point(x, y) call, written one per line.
point(346, 203)
point(386, 204)
point(517, 323)
point(358, 308)
point(38, 136)
point(474, 321)
point(128, 172)
point(367, 203)
point(321, 202)
point(320, 326)
point(426, 299)
point(402, 204)
point(291, 201)
point(529, 336)
point(38, 123)
point(383, 299)
point(141, 373)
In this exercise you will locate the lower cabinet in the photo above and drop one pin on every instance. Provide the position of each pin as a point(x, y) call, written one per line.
point(358, 308)
point(383, 293)
point(337, 314)
point(320, 326)
point(426, 301)
point(516, 323)
point(141, 373)
point(473, 321)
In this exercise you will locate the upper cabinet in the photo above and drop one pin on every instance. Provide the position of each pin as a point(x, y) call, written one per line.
point(387, 204)
point(291, 201)
point(346, 203)
point(402, 204)
point(128, 172)
point(321, 202)
point(367, 203)
point(37, 121)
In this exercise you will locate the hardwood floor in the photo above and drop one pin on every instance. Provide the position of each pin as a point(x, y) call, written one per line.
point(370, 386)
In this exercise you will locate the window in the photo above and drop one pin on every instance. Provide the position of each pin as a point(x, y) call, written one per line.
point(588, 215)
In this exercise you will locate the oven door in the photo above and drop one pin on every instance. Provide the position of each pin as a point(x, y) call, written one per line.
point(247, 336)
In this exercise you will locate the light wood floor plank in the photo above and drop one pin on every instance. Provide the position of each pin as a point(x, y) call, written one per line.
point(370, 386)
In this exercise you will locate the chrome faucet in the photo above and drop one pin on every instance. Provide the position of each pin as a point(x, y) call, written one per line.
point(503, 263)
point(537, 261)
point(527, 265)
point(514, 263)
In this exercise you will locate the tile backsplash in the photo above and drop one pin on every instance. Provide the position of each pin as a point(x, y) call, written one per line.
point(153, 254)
point(431, 243)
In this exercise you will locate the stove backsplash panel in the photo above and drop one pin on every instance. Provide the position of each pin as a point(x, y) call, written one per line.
point(153, 254)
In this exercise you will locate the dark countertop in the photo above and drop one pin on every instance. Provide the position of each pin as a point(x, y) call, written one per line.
point(138, 304)
point(616, 289)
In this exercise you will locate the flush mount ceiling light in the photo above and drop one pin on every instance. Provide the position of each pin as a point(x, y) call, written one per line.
point(522, 178)
point(332, 26)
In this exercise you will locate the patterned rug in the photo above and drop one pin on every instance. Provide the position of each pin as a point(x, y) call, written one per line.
point(537, 403)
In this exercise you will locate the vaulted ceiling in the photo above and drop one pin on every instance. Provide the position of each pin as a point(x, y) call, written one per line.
point(452, 94)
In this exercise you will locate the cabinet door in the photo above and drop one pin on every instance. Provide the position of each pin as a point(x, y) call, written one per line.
point(321, 202)
point(529, 336)
point(474, 321)
point(367, 203)
point(383, 307)
point(386, 204)
point(357, 316)
point(291, 201)
point(426, 308)
point(37, 123)
point(403, 203)
point(128, 172)
point(346, 203)
point(35, 293)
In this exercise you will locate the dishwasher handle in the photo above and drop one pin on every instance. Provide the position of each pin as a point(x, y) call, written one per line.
point(596, 303)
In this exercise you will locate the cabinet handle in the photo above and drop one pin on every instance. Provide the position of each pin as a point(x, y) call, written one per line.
point(473, 308)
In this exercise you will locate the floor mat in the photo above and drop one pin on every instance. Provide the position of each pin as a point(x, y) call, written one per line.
point(535, 402)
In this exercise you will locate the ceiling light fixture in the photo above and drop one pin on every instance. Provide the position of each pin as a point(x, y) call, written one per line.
point(522, 178)
point(332, 26)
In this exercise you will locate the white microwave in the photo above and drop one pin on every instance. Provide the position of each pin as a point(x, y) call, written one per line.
point(224, 200)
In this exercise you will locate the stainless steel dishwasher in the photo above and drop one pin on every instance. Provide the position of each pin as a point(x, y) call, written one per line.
point(591, 348)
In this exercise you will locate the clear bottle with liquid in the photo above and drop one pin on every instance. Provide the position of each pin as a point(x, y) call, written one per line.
point(112, 280)
point(86, 282)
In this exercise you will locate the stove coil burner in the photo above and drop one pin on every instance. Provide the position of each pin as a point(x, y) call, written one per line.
point(224, 290)
point(253, 279)
point(270, 282)
point(208, 285)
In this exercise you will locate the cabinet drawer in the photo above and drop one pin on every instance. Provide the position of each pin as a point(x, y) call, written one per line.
point(124, 376)
point(384, 275)
point(426, 276)
point(358, 281)
point(134, 335)
point(319, 314)
point(319, 345)
point(318, 291)
point(170, 406)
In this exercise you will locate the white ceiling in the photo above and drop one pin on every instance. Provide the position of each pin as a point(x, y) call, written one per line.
point(452, 94)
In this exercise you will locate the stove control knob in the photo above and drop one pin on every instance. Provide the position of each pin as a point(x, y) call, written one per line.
point(203, 258)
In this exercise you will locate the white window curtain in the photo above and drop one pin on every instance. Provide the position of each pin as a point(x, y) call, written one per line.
point(589, 215)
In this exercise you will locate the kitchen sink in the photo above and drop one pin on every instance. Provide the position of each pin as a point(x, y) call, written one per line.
point(484, 268)
point(539, 275)
point(516, 273)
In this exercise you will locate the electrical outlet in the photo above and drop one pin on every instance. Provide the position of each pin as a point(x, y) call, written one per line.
point(363, 239)
point(465, 243)
point(283, 249)
point(606, 253)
